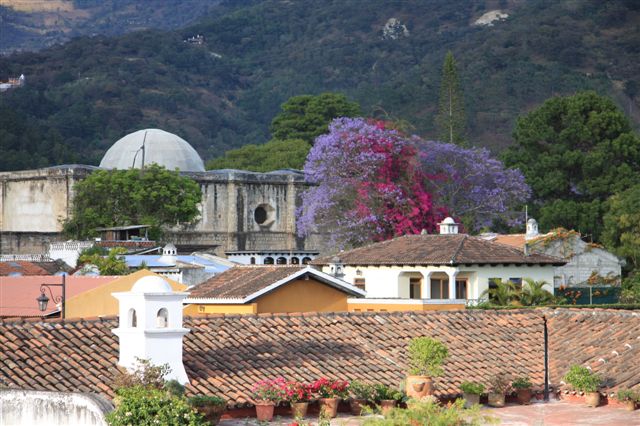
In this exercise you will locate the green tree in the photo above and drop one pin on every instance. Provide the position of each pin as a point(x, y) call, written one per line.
point(152, 196)
point(533, 293)
point(622, 225)
point(307, 116)
point(273, 155)
point(504, 293)
point(575, 152)
point(451, 118)
point(111, 264)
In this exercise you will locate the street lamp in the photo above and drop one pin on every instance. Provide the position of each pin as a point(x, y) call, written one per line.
point(43, 300)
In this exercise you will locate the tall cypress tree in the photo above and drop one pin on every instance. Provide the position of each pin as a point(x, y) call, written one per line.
point(451, 119)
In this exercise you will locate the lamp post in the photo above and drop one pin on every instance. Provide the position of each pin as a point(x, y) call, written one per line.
point(43, 299)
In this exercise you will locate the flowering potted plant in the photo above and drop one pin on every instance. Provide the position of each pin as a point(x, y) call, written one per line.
point(628, 398)
point(426, 356)
point(266, 394)
point(386, 397)
point(298, 395)
point(498, 386)
point(584, 380)
point(210, 406)
point(330, 392)
point(471, 392)
point(523, 385)
point(361, 395)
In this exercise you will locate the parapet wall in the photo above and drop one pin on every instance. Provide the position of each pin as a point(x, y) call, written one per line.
point(28, 408)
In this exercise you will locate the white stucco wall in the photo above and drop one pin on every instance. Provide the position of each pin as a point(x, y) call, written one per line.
point(28, 408)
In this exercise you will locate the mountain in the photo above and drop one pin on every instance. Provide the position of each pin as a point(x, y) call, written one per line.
point(222, 90)
point(36, 24)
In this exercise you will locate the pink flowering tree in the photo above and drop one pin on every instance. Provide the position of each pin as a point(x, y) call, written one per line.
point(369, 185)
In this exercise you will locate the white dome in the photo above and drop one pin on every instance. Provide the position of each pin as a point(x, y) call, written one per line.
point(151, 284)
point(163, 148)
point(448, 221)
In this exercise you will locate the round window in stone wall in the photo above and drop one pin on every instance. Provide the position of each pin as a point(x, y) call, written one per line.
point(264, 215)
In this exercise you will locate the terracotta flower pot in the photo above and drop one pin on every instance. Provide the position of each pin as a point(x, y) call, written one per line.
point(211, 413)
point(592, 399)
point(264, 411)
point(387, 405)
point(357, 405)
point(629, 404)
point(419, 386)
point(496, 399)
point(470, 399)
point(329, 406)
point(524, 396)
point(299, 409)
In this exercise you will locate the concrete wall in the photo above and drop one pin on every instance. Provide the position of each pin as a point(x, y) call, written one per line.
point(28, 408)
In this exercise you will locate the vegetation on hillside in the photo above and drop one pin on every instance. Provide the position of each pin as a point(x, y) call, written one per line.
point(82, 96)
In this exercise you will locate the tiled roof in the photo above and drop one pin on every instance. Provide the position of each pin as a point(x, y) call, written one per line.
point(243, 281)
point(21, 267)
point(513, 240)
point(608, 341)
point(228, 354)
point(437, 250)
point(18, 294)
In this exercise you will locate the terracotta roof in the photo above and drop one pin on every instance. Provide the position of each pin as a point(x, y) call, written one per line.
point(242, 282)
point(228, 354)
point(21, 267)
point(513, 240)
point(437, 250)
point(608, 341)
point(18, 294)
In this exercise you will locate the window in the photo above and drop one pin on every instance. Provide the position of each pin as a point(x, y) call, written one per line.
point(253, 260)
point(439, 288)
point(415, 288)
point(133, 318)
point(306, 260)
point(461, 289)
point(162, 318)
point(295, 261)
point(281, 261)
point(268, 260)
point(516, 281)
point(359, 282)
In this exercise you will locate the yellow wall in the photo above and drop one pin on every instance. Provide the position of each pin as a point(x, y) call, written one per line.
point(195, 310)
point(392, 307)
point(303, 296)
point(99, 301)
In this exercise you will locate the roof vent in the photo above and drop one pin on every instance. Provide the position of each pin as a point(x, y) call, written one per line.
point(448, 226)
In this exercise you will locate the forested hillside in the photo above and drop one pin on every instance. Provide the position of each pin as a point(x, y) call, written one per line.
point(82, 96)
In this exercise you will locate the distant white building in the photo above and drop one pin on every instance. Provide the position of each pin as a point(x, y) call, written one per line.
point(272, 257)
point(13, 83)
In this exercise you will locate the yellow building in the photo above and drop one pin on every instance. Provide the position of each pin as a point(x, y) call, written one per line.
point(271, 289)
point(99, 301)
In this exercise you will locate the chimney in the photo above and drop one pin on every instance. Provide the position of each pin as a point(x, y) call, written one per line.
point(532, 230)
point(448, 227)
point(150, 326)
point(336, 267)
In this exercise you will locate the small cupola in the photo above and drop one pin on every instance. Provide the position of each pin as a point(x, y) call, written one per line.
point(169, 253)
point(336, 267)
point(150, 326)
point(448, 226)
point(532, 229)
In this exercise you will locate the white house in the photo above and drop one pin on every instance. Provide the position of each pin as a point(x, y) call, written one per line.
point(425, 271)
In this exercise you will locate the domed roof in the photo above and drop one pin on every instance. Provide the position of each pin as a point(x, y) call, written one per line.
point(449, 221)
point(163, 148)
point(151, 284)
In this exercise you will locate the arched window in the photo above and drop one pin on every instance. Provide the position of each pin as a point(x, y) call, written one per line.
point(281, 261)
point(162, 319)
point(133, 318)
point(253, 260)
point(268, 260)
point(295, 261)
point(306, 260)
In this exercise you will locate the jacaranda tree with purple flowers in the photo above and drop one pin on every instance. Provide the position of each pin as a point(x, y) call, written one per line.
point(373, 183)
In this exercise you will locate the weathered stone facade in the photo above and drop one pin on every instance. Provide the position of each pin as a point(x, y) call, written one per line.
point(240, 210)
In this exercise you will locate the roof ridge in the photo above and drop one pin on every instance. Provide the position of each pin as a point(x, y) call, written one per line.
point(457, 251)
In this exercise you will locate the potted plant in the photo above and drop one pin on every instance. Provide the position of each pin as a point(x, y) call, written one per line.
point(523, 385)
point(330, 392)
point(584, 380)
point(498, 386)
point(361, 395)
point(386, 397)
point(266, 394)
point(628, 398)
point(298, 395)
point(210, 406)
point(426, 356)
point(471, 392)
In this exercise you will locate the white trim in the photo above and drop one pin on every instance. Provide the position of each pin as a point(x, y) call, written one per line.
point(392, 301)
point(214, 300)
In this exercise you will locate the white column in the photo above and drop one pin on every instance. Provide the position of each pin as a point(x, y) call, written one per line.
point(452, 284)
point(426, 285)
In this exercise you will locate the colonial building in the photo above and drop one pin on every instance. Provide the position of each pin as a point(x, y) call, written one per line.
point(240, 210)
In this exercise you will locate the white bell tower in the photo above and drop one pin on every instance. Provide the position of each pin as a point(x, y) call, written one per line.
point(150, 326)
point(532, 229)
point(448, 226)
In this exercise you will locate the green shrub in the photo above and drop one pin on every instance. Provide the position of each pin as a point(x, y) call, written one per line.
point(145, 374)
point(360, 390)
point(521, 383)
point(143, 406)
point(628, 395)
point(430, 412)
point(582, 379)
point(472, 388)
point(174, 388)
point(202, 400)
point(384, 392)
point(426, 356)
